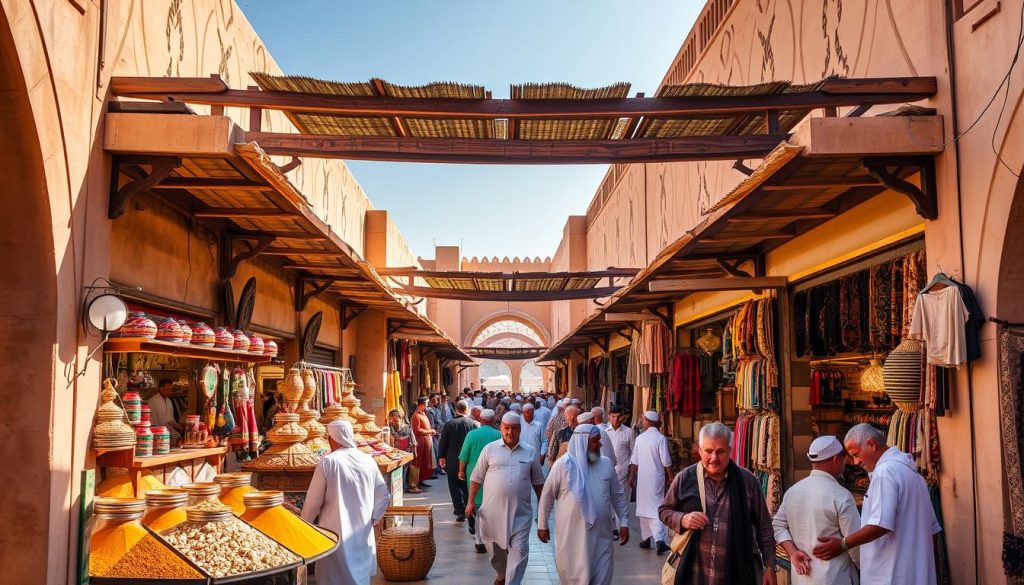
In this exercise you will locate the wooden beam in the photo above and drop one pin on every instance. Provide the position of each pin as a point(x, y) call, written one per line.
point(127, 85)
point(415, 272)
point(331, 267)
point(240, 213)
point(299, 252)
point(725, 238)
point(506, 296)
point(838, 92)
point(486, 151)
point(160, 169)
point(821, 184)
point(627, 317)
point(716, 284)
point(211, 183)
point(793, 214)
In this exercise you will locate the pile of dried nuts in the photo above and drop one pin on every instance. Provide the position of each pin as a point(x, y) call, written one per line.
point(227, 547)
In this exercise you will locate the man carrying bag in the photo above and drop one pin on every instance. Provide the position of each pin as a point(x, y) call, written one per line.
point(721, 505)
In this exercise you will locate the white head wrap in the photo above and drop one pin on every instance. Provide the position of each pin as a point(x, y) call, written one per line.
point(585, 418)
point(511, 418)
point(576, 467)
point(487, 414)
point(516, 407)
point(651, 415)
point(824, 448)
point(576, 402)
point(527, 406)
point(341, 432)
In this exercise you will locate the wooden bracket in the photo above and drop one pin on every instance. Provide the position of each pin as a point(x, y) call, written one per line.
point(394, 327)
point(582, 353)
point(160, 168)
point(924, 197)
point(666, 316)
point(627, 332)
point(349, 314)
point(229, 262)
point(601, 342)
point(739, 166)
point(733, 268)
point(292, 164)
point(302, 296)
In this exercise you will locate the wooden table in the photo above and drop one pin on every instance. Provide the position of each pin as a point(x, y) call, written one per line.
point(188, 459)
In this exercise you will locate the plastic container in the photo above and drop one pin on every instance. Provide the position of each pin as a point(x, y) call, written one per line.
point(165, 509)
point(234, 486)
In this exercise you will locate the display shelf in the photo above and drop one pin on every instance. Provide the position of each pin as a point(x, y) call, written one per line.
point(135, 465)
point(393, 465)
point(183, 350)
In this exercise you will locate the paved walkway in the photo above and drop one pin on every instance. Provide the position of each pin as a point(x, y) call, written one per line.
point(458, 563)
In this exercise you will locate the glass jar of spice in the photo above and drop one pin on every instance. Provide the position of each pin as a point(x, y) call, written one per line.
point(203, 496)
point(116, 530)
point(234, 486)
point(164, 509)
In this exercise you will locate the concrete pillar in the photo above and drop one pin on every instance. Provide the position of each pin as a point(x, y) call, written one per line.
point(516, 368)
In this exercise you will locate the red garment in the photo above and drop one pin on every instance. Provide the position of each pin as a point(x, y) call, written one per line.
point(815, 388)
point(674, 397)
point(424, 445)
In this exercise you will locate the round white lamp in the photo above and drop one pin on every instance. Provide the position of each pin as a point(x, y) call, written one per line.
point(107, 313)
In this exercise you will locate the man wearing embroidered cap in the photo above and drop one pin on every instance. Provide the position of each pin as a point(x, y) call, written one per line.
point(607, 449)
point(584, 486)
point(815, 507)
point(472, 447)
point(349, 496)
point(649, 470)
point(511, 470)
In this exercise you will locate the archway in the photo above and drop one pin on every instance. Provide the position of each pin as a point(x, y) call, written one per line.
point(28, 324)
point(511, 331)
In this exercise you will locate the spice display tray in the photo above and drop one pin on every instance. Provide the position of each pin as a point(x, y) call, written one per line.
point(183, 350)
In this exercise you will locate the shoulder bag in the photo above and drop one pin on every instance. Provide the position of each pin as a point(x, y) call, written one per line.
point(682, 540)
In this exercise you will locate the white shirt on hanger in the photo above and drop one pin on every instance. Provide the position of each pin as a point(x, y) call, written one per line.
point(939, 319)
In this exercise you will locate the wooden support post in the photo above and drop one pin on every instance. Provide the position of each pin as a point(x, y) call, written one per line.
point(255, 115)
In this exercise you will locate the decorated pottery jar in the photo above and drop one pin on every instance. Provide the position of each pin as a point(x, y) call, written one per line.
point(138, 325)
point(241, 341)
point(144, 414)
point(161, 440)
point(143, 440)
point(256, 344)
point(202, 334)
point(169, 330)
point(270, 348)
point(186, 331)
point(224, 338)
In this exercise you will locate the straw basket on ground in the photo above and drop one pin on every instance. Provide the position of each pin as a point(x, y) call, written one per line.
point(406, 552)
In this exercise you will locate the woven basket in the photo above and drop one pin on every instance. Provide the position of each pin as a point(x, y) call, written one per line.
point(406, 553)
point(903, 374)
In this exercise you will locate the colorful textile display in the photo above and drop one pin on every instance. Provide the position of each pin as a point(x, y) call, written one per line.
point(752, 334)
point(827, 386)
point(756, 446)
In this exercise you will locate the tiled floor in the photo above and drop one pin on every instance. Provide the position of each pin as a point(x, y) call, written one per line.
point(457, 563)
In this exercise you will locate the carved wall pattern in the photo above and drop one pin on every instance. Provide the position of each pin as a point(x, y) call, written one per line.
point(196, 38)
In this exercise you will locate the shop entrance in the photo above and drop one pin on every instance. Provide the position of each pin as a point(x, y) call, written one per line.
point(28, 325)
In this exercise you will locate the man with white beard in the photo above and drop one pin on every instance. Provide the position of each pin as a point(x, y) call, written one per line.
point(510, 469)
point(586, 491)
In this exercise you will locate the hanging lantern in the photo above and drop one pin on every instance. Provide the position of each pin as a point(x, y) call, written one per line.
point(904, 373)
point(872, 379)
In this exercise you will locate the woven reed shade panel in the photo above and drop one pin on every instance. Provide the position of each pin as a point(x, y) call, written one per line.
point(581, 283)
point(741, 124)
point(538, 284)
point(325, 123)
point(567, 129)
point(443, 128)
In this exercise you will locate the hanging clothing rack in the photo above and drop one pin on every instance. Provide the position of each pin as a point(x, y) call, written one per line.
point(304, 364)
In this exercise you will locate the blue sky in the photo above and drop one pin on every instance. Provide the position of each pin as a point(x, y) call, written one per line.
point(490, 210)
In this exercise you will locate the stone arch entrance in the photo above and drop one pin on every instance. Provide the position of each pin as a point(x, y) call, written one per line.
point(510, 330)
point(28, 325)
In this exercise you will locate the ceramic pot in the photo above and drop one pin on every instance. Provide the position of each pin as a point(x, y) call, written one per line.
point(169, 330)
point(186, 331)
point(270, 348)
point(202, 334)
point(256, 344)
